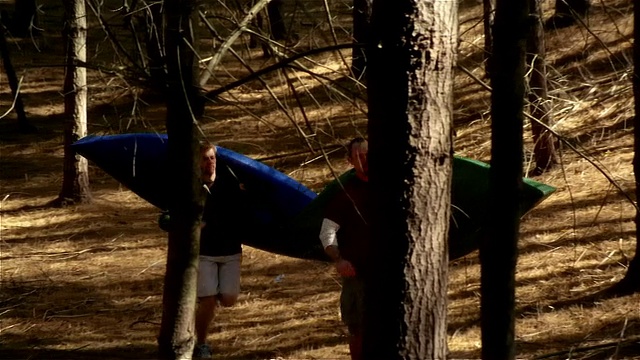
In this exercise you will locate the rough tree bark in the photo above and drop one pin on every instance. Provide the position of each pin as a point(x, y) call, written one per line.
point(184, 107)
point(75, 181)
point(544, 149)
point(631, 281)
point(410, 86)
point(498, 252)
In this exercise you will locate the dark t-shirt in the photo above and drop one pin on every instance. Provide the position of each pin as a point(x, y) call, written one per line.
point(351, 210)
point(224, 216)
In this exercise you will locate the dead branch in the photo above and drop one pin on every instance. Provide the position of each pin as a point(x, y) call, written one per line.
point(221, 90)
point(215, 59)
point(332, 29)
point(114, 41)
point(610, 344)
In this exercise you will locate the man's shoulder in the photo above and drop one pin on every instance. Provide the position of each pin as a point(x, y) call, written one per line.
point(355, 183)
point(348, 189)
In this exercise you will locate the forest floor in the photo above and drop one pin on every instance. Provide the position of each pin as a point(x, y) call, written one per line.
point(86, 281)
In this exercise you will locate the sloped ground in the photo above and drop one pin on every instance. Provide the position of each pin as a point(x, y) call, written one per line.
point(86, 281)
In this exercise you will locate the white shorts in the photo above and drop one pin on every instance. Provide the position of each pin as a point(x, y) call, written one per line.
point(219, 275)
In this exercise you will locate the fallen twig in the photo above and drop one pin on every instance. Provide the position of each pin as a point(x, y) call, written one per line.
point(615, 343)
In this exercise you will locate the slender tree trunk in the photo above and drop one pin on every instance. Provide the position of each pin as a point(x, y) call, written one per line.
point(276, 29)
point(23, 123)
point(276, 20)
point(184, 107)
point(544, 149)
point(410, 84)
point(24, 18)
point(151, 48)
point(488, 13)
point(128, 11)
point(154, 43)
point(361, 19)
point(572, 8)
point(75, 181)
point(498, 253)
point(568, 12)
point(631, 281)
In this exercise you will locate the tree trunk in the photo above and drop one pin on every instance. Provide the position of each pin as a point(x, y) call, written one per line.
point(631, 281)
point(572, 8)
point(410, 87)
point(276, 29)
point(177, 333)
point(544, 149)
point(128, 10)
point(498, 252)
point(75, 181)
point(154, 40)
point(568, 12)
point(24, 18)
point(488, 14)
point(361, 19)
point(23, 123)
point(276, 20)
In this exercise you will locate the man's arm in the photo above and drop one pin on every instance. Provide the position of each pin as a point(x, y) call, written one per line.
point(329, 239)
point(333, 252)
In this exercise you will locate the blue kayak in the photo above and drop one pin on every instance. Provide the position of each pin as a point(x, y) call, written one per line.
point(285, 213)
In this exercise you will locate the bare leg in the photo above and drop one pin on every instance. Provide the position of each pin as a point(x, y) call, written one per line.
point(204, 316)
point(227, 300)
point(355, 345)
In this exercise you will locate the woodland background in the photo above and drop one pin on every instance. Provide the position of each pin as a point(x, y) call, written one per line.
point(85, 281)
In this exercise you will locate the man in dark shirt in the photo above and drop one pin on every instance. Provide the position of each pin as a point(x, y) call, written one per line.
point(223, 229)
point(220, 245)
point(345, 237)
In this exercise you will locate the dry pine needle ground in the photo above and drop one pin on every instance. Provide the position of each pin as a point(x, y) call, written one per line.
point(86, 281)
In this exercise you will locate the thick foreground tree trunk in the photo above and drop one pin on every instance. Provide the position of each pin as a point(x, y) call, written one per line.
point(410, 85)
point(498, 252)
point(631, 281)
point(177, 332)
point(75, 181)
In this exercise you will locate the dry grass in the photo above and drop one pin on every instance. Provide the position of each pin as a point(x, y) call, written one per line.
point(86, 281)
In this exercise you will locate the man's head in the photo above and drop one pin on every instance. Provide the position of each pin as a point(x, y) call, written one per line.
point(357, 155)
point(208, 162)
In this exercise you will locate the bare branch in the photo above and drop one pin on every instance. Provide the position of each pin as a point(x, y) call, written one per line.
point(230, 40)
point(215, 93)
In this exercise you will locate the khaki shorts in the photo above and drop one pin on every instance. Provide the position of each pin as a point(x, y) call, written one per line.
point(352, 303)
point(219, 275)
